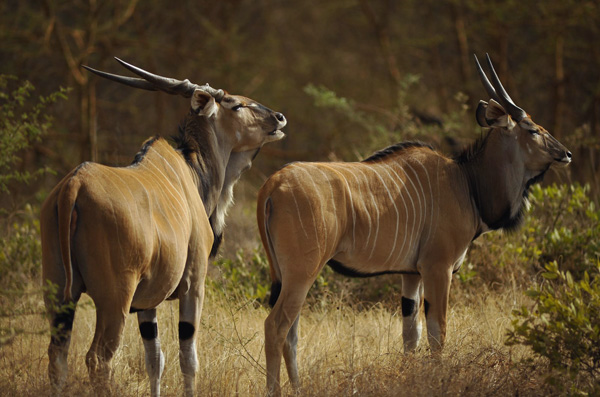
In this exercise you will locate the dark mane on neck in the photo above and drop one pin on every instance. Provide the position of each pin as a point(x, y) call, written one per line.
point(394, 149)
point(472, 151)
point(195, 143)
point(497, 210)
point(144, 150)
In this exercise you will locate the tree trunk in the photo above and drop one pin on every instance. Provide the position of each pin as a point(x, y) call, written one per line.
point(559, 86)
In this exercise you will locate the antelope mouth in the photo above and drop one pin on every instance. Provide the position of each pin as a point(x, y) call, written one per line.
point(563, 162)
point(277, 133)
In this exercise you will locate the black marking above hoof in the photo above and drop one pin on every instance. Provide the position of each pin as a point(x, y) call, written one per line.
point(408, 307)
point(426, 305)
point(186, 330)
point(149, 330)
point(62, 324)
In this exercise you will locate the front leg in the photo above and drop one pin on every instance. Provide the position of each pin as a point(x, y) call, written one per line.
point(190, 309)
point(436, 284)
point(412, 293)
point(155, 360)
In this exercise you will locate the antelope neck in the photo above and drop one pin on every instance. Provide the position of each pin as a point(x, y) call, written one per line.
point(207, 157)
point(497, 183)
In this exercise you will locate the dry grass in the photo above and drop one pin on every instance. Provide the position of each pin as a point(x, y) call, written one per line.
point(342, 351)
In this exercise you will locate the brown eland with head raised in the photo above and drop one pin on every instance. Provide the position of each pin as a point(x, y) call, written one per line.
point(407, 209)
point(132, 237)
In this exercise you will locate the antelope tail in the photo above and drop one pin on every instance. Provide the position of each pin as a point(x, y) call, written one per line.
point(263, 226)
point(67, 220)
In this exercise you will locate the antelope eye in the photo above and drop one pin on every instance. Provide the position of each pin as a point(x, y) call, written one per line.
point(237, 107)
point(534, 132)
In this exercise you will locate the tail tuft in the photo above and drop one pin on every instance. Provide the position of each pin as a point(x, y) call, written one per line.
point(275, 291)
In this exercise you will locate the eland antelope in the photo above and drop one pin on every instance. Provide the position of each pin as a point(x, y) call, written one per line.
point(132, 237)
point(406, 209)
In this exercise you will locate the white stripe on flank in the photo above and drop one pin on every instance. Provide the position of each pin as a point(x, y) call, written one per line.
point(182, 200)
point(430, 202)
point(302, 168)
point(376, 206)
point(414, 237)
point(162, 178)
point(351, 201)
point(385, 167)
point(395, 208)
point(364, 202)
point(131, 202)
point(332, 199)
point(298, 207)
point(182, 189)
point(157, 205)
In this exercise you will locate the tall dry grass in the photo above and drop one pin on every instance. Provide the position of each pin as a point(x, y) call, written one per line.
point(347, 346)
point(343, 350)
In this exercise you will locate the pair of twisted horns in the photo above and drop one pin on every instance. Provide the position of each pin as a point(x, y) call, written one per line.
point(497, 92)
point(153, 82)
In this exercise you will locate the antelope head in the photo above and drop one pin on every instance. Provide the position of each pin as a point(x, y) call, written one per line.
point(244, 123)
point(529, 143)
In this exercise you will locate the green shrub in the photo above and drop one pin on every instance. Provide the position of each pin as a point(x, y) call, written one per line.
point(241, 277)
point(562, 225)
point(23, 122)
point(247, 277)
point(564, 326)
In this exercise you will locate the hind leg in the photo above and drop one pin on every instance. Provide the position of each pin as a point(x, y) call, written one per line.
point(61, 316)
point(281, 333)
point(289, 354)
point(111, 312)
point(155, 360)
point(61, 324)
point(412, 292)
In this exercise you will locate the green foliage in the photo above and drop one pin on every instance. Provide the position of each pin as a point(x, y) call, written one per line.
point(247, 278)
point(564, 325)
point(562, 225)
point(382, 126)
point(21, 251)
point(21, 125)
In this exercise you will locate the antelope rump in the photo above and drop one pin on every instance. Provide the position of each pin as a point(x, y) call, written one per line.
point(132, 237)
point(407, 209)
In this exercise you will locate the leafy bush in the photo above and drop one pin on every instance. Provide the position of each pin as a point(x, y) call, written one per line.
point(22, 123)
point(247, 277)
point(21, 251)
point(366, 128)
point(562, 225)
point(564, 325)
point(239, 277)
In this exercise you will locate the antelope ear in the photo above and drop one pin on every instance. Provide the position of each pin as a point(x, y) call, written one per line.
point(494, 115)
point(480, 114)
point(203, 103)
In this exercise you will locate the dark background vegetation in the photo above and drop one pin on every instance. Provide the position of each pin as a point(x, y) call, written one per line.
point(351, 76)
point(405, 66)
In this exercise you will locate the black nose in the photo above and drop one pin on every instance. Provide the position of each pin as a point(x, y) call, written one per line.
point(279, 116)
